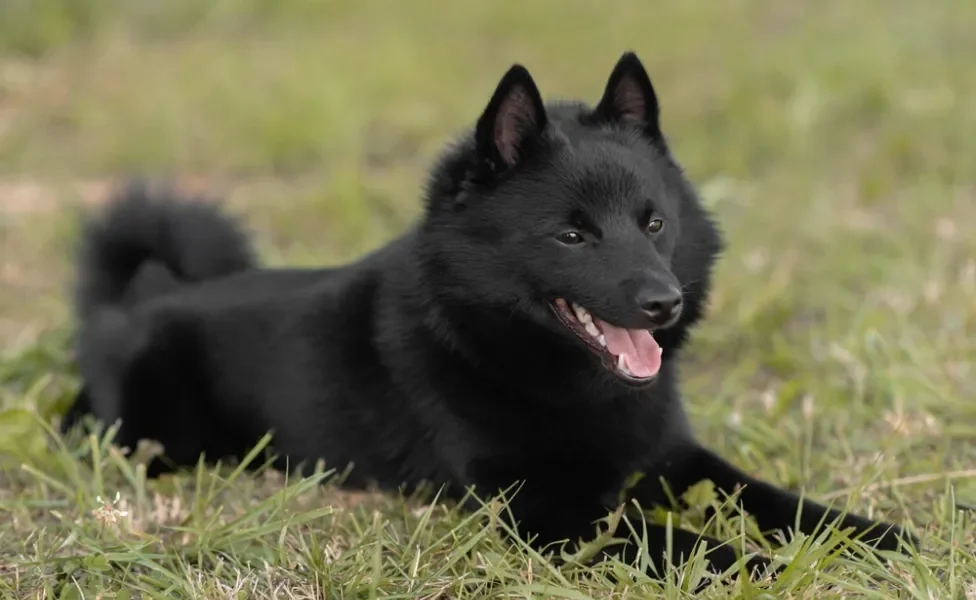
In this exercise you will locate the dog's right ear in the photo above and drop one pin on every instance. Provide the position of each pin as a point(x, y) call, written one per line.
point(514, 117)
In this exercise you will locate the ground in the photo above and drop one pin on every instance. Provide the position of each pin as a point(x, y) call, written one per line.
point(834, 140)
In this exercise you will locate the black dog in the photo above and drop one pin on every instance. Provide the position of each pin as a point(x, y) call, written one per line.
point(525, 331)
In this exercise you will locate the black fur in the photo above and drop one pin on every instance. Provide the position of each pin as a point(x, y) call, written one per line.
point(438, 358)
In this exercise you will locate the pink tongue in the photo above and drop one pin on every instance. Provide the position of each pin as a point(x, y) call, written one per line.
point(641, 353)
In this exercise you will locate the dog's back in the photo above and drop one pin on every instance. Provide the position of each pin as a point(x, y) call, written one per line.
point(186, 341)
point(142, 246)
point(168, 287)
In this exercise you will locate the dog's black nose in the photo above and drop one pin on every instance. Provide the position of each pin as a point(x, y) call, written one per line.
point(661, 308)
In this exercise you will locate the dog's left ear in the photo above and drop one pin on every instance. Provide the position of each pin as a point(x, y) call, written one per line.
point(629, 98)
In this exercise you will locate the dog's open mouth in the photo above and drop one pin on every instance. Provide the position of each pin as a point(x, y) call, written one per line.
point(632, 354)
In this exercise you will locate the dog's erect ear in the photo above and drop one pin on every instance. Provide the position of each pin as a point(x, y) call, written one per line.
point(629, 97)
point(513, 117)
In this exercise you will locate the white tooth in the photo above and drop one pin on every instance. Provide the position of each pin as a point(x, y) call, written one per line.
point(621, 363)
point(660, 351)
point(592, 330)
point(603, 340)
point(582, 314)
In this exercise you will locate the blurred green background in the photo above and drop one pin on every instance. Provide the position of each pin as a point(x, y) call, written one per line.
point(833, 138)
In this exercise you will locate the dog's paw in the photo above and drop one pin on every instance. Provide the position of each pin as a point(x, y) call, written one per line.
point(758, 568)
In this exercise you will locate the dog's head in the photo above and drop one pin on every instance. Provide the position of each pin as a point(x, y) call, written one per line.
point(574, 222)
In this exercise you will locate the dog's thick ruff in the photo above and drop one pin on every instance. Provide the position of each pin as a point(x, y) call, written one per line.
point(444, 356)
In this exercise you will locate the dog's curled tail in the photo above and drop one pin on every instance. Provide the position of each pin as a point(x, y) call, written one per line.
point(145, 242)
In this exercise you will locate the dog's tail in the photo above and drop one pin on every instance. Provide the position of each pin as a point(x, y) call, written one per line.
point(147, 242)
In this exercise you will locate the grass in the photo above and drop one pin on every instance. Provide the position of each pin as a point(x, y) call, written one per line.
point(833, 139)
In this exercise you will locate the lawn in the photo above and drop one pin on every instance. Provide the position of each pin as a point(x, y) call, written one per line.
point(833, 139)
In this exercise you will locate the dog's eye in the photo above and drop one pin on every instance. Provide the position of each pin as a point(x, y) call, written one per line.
point(570, 238)
point(655, 225)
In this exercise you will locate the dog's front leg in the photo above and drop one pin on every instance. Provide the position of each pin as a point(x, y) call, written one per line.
point(774, 509)
point(549, 512)
point(562, 520)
